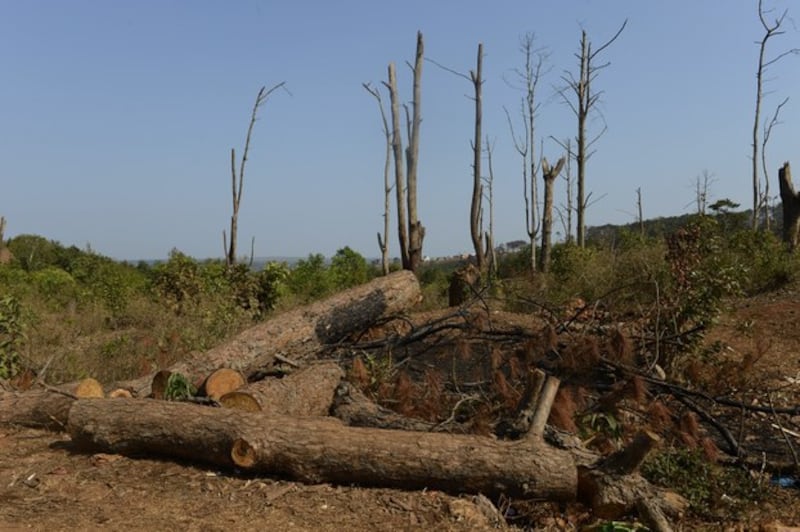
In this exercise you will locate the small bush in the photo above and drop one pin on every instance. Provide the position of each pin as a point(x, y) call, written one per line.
point(11, 336)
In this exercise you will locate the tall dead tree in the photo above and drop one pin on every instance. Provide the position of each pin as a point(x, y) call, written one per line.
point(769, 32)
point(410, 230)
point(476, 76)
point(527, 80)
point(230, 249)
point(585, 99)
point(767, 133)
point(791, 207)
point(476, 205)
point(383, 240)
point(549, 175)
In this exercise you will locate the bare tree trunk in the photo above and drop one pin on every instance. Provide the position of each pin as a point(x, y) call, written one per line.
point(477, 195)
point(767, 133)
point(529, 79)
point(586, 100)
point(399, 167)
point(416, 232)
point(583, 91)
point(639, 209)
point(791, 207)
point(549, 175)
point(383, 240)
point(490, 252)
point(411, 232)
point(263, 95)
point(769, 31)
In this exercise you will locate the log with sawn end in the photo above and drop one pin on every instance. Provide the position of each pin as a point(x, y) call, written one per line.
point(300, 332)
point(317, 449)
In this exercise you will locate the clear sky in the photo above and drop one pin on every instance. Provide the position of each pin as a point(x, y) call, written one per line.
point(117, 118)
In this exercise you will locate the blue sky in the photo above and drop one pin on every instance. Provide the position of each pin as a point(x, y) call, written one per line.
point(117, 118)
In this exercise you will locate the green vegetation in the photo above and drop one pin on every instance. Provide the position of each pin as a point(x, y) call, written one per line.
point(702, 483)
point(95, 316)
point(112, 320)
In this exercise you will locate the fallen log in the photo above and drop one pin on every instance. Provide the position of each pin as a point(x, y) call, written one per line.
point(307, 392)
point(323, 449)
point(45, 408)
point(301, 331)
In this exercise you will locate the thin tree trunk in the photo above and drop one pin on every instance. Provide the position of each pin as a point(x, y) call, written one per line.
point(475, 207)
point(583, 111)
point(399, 168)
point(549, 175)
point(415, 229)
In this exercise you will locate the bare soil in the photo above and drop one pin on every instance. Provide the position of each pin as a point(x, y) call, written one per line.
point(46, 485)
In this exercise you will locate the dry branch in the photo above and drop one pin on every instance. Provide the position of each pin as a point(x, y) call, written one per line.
point(323, 450)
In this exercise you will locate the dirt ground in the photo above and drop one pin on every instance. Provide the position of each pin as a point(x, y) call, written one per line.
point(46, 485)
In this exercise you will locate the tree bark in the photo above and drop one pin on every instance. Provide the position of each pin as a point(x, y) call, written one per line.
point(307, 392)
point(399, 167)
point(46, 409)
point(549, 175)
point(302, 331)
point(477, 188)
point(791, 207)
point(323, 450)
point(416, 232)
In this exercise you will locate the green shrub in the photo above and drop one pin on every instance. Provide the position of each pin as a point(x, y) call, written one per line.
point(55, 285)
point(178, 281)
point(11, 336)
point(309, 279)
point(348, 268)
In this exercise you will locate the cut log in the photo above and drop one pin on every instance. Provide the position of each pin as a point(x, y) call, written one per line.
point(47, 408)
point(119, 392)
point(307, 392)
point(220, 382)
point(85, 388)
point(302, 331)
point(323, 449)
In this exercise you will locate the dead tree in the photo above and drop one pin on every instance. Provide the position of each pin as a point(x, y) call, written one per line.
point(526, 146)
point(475, 229)
point(230, 256)
point(791, 207)
point(383, 240)
point(767, 133)
point(549, 174)
point(639, 214)
point(411, 233)
point(476, 205)
point(585, 100)
point(769, 32)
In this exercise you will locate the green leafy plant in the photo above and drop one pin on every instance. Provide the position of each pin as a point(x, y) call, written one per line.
point(179, 388)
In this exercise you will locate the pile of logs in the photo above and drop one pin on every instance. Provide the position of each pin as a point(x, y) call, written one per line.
point(270, 406)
